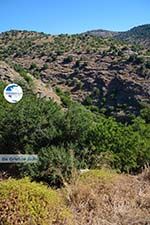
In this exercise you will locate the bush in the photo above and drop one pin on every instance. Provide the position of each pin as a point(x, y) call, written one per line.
point(103, 174)
point(145, 114)
point(24, 73)
point(69, 59)
point(33, 66)
point(45, 67)
point(31, 124)
point(88, 100)
point(128, 149)
point(54, 167)
point(136, 59)
point(39, 126)
point(147, 64)
point(36, 74)
point(64, 96)
point(25, 202)
point(77, 64)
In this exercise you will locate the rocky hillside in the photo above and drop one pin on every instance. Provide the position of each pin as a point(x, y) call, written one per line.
point(138, 35)
point(102, 33)
point(101, 71)
point(9, 75)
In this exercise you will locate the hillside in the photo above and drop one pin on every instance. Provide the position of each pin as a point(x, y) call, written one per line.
point(139, 35)
point(90, 167)
point(136, 35)
point(102, 33)
point(101, 71)
point(9, 75)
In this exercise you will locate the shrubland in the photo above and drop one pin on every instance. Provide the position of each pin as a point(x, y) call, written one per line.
point(72, 138)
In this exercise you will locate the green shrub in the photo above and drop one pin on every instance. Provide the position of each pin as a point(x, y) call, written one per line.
point(54, 167)
point(45, 67)
point(136, 59)
point(64, 96)
point(68, 59)
point(33, 66)
point(25, 202)
point(103, 174)
point(147, 64)
point(77, 64)
point(24, 73)
point(88, 100)
point(145, 114)
point(35, 126)
point(36, 74)
point(32, 122)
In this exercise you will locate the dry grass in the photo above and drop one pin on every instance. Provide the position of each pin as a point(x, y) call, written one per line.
point(105, 198)
point(96, 197)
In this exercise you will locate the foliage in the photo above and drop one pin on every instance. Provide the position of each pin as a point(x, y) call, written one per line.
point(23, 72)
point(69, 59)
point(25, 202)
point(64, 96)
point(45, 67)
point(136, 59)
point(55, 166)
point(74, 137)
point(145, 114)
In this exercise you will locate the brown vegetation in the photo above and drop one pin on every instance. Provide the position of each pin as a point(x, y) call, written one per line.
point(105, 198)
point(96, 197)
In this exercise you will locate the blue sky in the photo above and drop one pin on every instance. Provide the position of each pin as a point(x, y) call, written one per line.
point(73, 16)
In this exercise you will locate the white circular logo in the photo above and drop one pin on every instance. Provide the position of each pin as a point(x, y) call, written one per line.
point(13, 93)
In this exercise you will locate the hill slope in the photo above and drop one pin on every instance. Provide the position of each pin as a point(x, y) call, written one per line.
point(139, 34)
point(9, 75)
point(101, 71)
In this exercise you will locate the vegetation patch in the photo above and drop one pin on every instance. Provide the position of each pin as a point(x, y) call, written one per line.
point(25, 202)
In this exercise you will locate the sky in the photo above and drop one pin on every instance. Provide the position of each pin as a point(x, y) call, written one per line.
point(73, 16)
